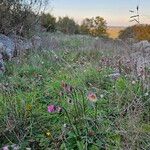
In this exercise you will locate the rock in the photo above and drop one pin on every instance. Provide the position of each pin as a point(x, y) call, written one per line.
point(142, 46)
point(21, 44)
point(141, 60)
point(16, 45)
point(115, 76)
point(7, 46)
point(2, 47)
point(2, 67)
point(142, 54)
point(36, 42)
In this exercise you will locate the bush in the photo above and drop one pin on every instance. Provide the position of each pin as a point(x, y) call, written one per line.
point(49, 22)
point(95, 26)
point(67, 25)
point(138, 32)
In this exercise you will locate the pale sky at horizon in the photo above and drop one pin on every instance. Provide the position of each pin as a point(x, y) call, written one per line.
point(115, 12)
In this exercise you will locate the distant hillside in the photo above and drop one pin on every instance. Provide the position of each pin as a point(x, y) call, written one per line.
point(113, 31)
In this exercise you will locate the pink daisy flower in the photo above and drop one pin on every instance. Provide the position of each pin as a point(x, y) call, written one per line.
point(51, 108)
point(92, 97)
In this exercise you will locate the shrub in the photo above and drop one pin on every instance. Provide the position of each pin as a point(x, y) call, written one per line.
point(138, 32)
point(67, 25)
point(49, 22)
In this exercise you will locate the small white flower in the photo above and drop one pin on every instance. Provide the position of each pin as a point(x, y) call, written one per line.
point(42, 62)
point(56, 56)
point(133, 82)
point(102, 96)
point(65, 125)
point(146, 94)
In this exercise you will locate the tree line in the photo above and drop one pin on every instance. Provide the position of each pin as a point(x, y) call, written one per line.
point(95, 26)
point(23, 17)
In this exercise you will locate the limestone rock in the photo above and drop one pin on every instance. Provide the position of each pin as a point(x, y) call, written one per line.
point(36, 42)
point(7, 46)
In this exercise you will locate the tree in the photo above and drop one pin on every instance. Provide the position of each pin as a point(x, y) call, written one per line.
point(49, 22)
point(86, 26)
point(67, 25)
point(19, 16)
point(95, 26)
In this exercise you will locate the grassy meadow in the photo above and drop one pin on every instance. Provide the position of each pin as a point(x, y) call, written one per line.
point(66, 97)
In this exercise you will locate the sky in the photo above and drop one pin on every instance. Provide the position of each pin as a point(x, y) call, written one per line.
point(115, 12)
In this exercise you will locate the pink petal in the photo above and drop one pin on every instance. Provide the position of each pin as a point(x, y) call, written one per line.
point(51, 108)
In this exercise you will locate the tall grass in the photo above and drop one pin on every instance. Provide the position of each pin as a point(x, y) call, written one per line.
point(116, 116)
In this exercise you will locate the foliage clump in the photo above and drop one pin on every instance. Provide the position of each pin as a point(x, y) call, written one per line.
point(67, 25)
point(17, 16)
point(138, 32)
point(49, 22)
point(95, 26)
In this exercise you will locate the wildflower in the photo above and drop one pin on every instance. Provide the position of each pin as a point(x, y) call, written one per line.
point(48, 134)
point(146, 94)
point(65, 125)
point(59, 109)
point(51, 108)
point(67, 88)
point(15, 147)
point(133, 82)
point(61, 94)
point(65, 128)
point(64, 85)
point(5, 148)
point(102, 96)
point(92, 97)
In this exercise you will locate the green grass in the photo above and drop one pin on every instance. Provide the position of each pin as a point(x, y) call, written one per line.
point(118, 120)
